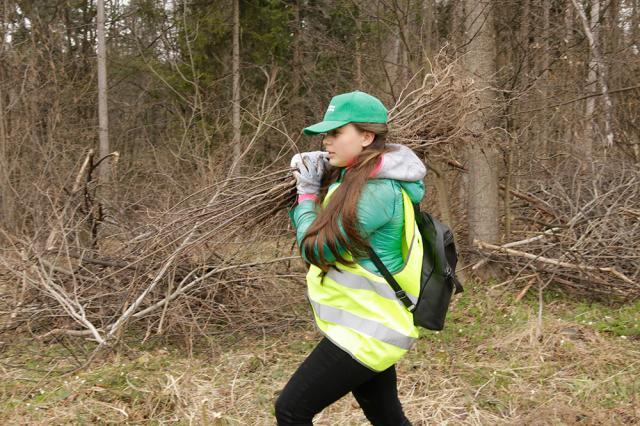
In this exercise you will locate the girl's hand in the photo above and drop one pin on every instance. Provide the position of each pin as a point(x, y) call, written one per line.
point(308, 170)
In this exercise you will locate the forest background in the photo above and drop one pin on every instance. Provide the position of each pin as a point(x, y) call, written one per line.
point(138, 148)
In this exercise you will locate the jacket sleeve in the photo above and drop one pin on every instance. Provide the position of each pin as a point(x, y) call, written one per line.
point(375, 207)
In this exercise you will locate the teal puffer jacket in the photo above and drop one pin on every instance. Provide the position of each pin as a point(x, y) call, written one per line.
point(380, 216)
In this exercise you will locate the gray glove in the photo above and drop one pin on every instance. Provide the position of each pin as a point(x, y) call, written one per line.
point(401, 164)
point(309, 168)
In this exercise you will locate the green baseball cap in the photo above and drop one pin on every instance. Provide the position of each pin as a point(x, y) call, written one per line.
point(349, 107)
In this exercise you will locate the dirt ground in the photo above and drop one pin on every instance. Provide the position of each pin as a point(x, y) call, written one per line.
point(491, 365)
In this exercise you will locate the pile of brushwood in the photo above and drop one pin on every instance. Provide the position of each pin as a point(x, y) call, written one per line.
point(582, 232)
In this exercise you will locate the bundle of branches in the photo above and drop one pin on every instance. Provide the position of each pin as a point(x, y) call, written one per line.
point(430, 116)
point(585, 234)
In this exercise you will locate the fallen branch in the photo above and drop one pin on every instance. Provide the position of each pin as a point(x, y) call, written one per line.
point(582, 267)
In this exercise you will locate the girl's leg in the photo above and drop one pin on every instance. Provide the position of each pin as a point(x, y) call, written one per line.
point(378, 398)
point(326, 375)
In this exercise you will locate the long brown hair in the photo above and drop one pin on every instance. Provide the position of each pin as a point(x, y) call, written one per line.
point(343, 204)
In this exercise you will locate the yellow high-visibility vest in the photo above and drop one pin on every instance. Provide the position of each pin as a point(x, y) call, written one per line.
point(359, 311)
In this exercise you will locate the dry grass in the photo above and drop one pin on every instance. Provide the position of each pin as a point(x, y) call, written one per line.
point(487, 367)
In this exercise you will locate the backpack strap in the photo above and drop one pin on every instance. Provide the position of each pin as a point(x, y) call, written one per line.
point(400, 293)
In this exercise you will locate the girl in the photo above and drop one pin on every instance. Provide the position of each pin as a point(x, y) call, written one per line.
point(366, 189)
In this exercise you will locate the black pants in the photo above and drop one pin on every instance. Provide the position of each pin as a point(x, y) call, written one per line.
point(329, 373)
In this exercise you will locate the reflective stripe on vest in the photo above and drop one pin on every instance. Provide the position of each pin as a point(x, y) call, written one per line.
point(355, 281)
point(359, 311)
point(363, 325)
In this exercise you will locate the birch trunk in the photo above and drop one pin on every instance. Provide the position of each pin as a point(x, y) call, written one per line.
point(597, 73)
point(103, 115)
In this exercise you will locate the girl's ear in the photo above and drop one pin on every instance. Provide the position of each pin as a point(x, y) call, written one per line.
point(368, 138)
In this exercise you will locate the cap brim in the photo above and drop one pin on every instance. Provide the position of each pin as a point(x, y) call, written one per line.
point(323, 127)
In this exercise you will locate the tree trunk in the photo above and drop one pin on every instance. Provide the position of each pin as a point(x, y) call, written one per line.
point(296, 56)
point(482, 192)
point(590, 127)
point(597, 73)
point(103, 114)
point(457, 30)
point(358, 53)
point(236, 140)
point(430, 38)
point(543, 141)
point(635, 24)
point(393, 56)
point(7, 198)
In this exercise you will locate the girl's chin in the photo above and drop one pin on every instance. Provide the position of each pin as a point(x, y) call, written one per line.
point(336, 163)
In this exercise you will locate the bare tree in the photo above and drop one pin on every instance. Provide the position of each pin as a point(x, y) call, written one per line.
point(6, 194)
point(545, 64)
point(482, 190)
point(359, 79)
point(597, 73)
point(236, 140)
point(7, 198)
point(429, 29)
point(103, 114)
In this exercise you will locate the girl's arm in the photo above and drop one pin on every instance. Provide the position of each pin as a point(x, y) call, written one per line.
point(375, 208)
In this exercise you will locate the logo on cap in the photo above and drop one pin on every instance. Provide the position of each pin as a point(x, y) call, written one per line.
point(331, 108)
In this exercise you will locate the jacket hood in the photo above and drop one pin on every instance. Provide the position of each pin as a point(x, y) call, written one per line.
point(403, 165)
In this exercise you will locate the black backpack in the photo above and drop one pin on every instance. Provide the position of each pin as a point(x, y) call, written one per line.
point(438, 278)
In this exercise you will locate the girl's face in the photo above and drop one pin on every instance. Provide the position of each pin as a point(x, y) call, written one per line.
point(345, 143)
